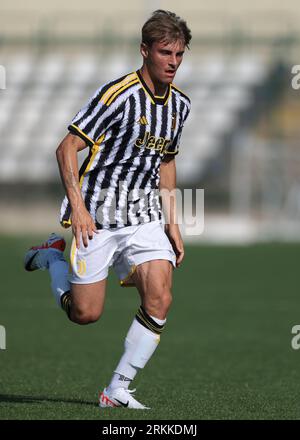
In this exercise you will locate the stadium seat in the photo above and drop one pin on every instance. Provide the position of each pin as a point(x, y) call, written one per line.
point(45, 91)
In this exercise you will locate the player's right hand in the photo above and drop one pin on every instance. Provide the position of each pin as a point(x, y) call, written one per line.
point(82, 225)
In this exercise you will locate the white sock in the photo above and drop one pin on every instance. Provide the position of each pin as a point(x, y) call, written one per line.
point(158, 321)
point(119, 381)
point(140, 344)
point(59, 274)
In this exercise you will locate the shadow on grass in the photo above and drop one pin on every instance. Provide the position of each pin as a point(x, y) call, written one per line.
point(11, 398)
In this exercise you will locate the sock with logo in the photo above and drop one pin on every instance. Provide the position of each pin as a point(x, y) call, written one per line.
point(141, 341)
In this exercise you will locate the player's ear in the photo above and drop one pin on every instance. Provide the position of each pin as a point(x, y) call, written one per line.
point(144, 50)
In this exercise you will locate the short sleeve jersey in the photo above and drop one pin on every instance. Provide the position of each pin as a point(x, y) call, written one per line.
point(129, 132)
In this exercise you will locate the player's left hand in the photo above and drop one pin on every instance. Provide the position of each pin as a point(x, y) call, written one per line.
point(174, 236)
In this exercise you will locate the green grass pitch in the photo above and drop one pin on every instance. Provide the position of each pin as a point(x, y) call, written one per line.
point(225, 353)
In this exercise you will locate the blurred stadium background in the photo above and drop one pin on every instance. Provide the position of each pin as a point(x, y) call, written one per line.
point(240, 144)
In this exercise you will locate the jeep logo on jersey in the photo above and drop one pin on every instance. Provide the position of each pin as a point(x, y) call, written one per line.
point(153, 143)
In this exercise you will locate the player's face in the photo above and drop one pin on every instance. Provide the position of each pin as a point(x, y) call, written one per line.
point(163, 59)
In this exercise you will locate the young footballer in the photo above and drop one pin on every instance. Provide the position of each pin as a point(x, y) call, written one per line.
point(132, 127)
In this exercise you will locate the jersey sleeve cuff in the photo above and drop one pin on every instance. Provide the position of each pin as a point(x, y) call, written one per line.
point(170, 153)
point(76, 130)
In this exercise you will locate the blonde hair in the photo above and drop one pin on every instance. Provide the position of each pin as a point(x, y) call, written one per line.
point(167, 27)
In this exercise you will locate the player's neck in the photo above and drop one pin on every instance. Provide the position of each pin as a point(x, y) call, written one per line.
point(157, 88)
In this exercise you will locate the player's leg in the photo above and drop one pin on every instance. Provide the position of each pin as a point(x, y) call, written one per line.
point(144, 262)
point(50, 256)
point(83, 298)
point(84, 303)
point(153, 280)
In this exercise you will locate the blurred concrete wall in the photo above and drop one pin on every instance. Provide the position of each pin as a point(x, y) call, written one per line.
point(23, 18)
point(110, 8)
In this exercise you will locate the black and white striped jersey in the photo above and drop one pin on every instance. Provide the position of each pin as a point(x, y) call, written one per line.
point(129, 131)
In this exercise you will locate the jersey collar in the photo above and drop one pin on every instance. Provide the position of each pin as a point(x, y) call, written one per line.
point(161, 100)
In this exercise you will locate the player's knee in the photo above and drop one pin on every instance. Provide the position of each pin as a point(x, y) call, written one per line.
point(167, 299)
point(161, 303)
point(165, 295)
point(84, 319)
point(84, 316)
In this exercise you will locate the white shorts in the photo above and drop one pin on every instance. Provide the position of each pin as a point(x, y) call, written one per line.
point(123, 248)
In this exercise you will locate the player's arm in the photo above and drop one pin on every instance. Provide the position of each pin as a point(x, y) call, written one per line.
point(168, 196)
point(66, 153)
